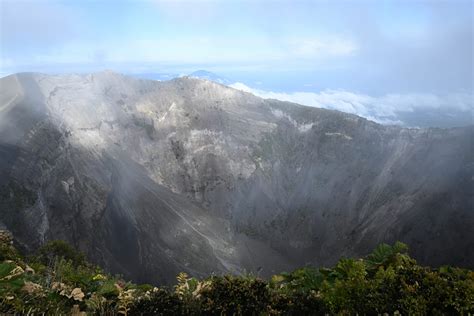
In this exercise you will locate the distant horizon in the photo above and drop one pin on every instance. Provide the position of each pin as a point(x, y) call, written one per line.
point(366, 46)
point(408, 110)
point(397, 62)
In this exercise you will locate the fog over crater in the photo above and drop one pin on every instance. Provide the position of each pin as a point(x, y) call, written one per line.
point(152, 178)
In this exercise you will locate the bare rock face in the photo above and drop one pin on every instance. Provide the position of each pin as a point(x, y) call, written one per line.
point(153, 178)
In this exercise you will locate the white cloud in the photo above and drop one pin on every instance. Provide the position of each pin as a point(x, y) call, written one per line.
point(37, 22)
point(386, 109)
point(6, 62)
point(216, 50)
point(322, 47)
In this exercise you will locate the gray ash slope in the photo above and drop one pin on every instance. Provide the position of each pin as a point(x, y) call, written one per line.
point(152, 178)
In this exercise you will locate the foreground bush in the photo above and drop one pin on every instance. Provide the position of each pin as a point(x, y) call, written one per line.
point(59, 281)
point(231, 295)
point(158, 302)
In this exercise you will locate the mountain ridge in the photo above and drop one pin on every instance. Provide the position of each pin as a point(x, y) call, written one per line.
point(245, 182)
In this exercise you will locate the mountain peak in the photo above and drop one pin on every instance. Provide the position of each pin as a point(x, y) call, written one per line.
point(207, 75)
point(191, 175)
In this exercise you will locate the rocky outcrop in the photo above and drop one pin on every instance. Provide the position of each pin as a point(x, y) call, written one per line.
point(151, 178)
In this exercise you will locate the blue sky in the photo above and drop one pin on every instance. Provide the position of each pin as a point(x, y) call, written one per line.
point(367, 47)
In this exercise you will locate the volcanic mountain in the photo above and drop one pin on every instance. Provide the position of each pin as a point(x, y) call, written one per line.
point(152, 178)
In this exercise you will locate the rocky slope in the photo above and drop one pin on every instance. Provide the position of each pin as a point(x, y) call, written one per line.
point(151, 178)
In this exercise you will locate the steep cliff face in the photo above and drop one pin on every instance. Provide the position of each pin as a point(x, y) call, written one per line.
point(151, 178)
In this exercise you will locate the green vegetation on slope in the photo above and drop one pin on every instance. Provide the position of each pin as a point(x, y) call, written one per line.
point(59, 281)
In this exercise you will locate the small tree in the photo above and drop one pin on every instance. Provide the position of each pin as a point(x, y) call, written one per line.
point(59, 249)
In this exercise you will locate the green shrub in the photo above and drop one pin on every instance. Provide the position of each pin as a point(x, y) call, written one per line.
point(386, 281)
point(60, 249)
point(230, 295)
point(159, 302)
point(347, 287)
point(12, 277)
point(297, 303)
point(108, 289)
point(7, 250)
point(385, 255)
point(297, 293)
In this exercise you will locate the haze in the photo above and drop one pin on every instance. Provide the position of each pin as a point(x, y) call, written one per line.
point(416, 54)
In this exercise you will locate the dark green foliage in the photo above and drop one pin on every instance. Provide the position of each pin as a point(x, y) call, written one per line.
point(231, 295)
point(59, 249)
point(387, 281)
point(7, 250)
point(6, 253)
point(297, 303)
point(295, 293)
point(385, 255)
point(11, 278)
point(160, 302)
point(301, 280)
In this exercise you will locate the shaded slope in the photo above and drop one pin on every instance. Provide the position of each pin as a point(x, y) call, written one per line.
point(151, 178)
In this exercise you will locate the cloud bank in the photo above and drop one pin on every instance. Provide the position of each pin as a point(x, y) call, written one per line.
point(415, 109)
point(371, 46)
